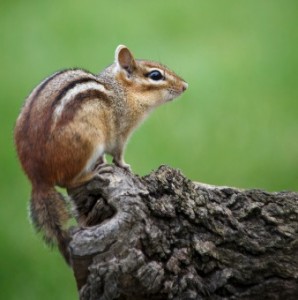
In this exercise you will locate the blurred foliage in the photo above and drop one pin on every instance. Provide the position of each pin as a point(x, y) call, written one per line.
point(236, 125)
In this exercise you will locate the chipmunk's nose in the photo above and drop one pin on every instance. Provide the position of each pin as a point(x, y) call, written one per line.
point(184, 86)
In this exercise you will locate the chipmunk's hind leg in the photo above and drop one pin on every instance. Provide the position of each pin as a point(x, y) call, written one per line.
point(90, 168)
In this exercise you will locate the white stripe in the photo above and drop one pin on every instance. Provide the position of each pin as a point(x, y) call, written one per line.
point(65, 73)
point(162, 71)
point(70, 95)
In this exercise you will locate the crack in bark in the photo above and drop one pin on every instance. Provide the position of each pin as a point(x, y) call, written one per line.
point(162, 236)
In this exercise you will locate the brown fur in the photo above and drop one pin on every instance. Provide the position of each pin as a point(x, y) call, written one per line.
point(72, 118)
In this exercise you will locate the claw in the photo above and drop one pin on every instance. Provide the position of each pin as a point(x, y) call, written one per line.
point(104, 168)
point(122, 165)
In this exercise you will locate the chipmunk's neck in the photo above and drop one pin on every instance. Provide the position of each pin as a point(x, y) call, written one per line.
point(129, 111)
point(107, 77)
point(126, 106)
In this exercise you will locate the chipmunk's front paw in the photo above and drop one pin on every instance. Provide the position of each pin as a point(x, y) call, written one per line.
point(123, 165)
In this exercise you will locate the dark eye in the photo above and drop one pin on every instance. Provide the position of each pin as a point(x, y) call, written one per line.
point(155, 75)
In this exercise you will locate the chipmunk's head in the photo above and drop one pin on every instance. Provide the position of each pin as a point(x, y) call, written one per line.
point(146, 82)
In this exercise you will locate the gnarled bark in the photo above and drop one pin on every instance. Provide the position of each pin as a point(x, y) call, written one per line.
point(164, 237)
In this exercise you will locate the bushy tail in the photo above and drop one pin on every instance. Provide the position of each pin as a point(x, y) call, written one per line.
point(49, 214)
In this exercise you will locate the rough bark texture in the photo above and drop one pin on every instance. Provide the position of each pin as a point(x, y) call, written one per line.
point(164, 237)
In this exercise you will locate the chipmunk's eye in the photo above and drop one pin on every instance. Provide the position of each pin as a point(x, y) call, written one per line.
point(155, 75)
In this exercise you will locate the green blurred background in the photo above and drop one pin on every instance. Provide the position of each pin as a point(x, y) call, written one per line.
point(236, 125)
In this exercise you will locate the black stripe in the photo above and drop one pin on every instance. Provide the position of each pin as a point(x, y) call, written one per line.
point(48, 121)
point(27, 116)
point(70, 86)
point(90, 94)
point(74, 105)
point(49, 79)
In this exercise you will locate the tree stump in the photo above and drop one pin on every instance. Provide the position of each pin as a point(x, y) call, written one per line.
point(163, 236)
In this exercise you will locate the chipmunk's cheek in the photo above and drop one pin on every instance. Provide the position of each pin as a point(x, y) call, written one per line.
point(164, 95)
point(161, 97)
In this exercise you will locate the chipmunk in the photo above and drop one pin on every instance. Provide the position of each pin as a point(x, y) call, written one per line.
point(72, 118)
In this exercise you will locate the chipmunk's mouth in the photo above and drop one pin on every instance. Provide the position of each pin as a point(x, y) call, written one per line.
point(174, 93)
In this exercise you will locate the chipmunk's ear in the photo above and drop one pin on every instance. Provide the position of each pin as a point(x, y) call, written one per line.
point(124, 59)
